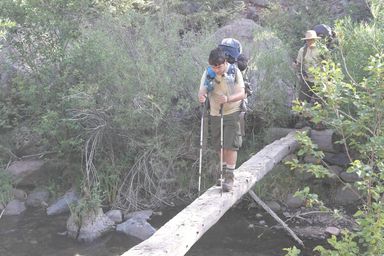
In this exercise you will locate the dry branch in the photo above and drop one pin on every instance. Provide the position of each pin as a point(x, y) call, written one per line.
point(274, 215)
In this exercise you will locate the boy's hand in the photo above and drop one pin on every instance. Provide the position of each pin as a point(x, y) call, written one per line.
point(202, 98)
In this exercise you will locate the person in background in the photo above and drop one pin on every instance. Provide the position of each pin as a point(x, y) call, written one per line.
point(307, 57)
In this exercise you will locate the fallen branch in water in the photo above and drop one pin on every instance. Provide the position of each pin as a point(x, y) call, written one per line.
point(274, 215)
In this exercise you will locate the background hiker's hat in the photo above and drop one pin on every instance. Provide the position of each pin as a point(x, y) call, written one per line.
point(310, 34)
point(231, 47)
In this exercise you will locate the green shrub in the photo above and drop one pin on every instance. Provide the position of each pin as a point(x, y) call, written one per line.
point(352, 96)
point(6, 193)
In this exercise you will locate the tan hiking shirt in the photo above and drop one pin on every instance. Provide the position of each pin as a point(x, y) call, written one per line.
point(224, 85)
point(311, 59)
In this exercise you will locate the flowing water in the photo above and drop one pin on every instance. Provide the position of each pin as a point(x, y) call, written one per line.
point(34, 234)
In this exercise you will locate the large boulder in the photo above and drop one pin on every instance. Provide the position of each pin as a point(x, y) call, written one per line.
point(21, 171)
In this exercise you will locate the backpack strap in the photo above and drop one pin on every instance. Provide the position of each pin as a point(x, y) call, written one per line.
point(232, 71)
point(304, 52)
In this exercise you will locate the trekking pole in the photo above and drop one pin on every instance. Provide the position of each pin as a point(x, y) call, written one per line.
point(203, 107)
point(221, 148)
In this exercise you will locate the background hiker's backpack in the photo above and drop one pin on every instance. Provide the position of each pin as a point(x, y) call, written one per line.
point(232, 49)
point(326, 32)
point(323, 31)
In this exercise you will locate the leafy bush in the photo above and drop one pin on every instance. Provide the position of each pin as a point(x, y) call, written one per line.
point(352, 104)
point(6, 187)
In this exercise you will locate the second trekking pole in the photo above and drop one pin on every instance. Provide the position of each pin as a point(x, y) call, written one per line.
point(221, 147)
point(203, 107)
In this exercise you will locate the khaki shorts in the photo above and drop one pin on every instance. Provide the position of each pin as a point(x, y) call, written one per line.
point(231, 131)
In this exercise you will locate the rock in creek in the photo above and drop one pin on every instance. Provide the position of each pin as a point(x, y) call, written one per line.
point(15, 207)
point(93, 225)
point(137, 227)
point(62, 204)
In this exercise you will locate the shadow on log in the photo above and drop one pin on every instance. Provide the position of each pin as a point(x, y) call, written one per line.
point(179, 234)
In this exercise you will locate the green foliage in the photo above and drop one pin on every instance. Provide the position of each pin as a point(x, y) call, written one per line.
point(203, 15)
point(308, 148)
point(293, 251)
point(266, 64)
point(368, 38)
point(371, 232)
point(291, 25)
point(311, 200)
point(352, 104)
point(90, 202)
point(6, 187)
point(109, 178)
point(4, 24)
point(277, 184)
point(346, 246)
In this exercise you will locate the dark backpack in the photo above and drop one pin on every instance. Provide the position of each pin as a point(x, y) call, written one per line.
point(326, 32)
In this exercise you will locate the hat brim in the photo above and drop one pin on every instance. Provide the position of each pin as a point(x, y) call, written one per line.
point(308, 38)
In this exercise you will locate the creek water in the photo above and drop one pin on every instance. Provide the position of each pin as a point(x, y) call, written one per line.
point(236, 234)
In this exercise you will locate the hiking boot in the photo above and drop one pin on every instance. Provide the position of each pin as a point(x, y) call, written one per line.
point(218, 174)
point(229, 179)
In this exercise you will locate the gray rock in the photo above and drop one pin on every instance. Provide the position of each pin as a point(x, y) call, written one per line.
point(335, 169)
point(19, 194)
point(340, 159)
point(349, 177)
point(21, 170)
point(115, 215)
point(346, 196)
point(62, 204)
point(37, 198)
point(294, 202)
point(145, 214)
point(15, 207)
point(93, 225)
point(137, 227)
point(333, 231)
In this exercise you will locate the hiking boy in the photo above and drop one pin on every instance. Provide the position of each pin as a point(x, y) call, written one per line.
point(226, 96)
point(307, 57)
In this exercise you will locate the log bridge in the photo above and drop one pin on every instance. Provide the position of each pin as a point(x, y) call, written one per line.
point(178, 235)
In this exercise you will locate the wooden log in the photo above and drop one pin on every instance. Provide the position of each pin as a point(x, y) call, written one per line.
point(178, 235)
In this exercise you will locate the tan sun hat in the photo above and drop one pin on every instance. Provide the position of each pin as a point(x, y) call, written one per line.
point(310, 34)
